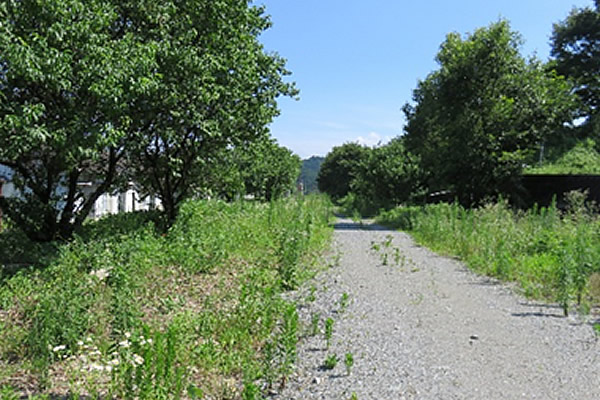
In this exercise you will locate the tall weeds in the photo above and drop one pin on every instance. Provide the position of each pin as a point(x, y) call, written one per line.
point(128, 311)
point(550, 253)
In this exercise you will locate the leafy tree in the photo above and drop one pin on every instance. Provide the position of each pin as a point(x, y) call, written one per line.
point(339, 169)
point(475, 120)
point(111, 90)
point(269, 170)
point(309, 172)
point(576, 49)
point(66, 82)
point(214, 87)
point(389, 176)
point(222, 176)
point(260, 168)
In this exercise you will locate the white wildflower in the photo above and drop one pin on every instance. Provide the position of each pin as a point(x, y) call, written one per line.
point(59, 348)
point(101, 274)
point(124, 343)
point(114, 362)
point(127, 335)
point(138, 359)
point(96, 367)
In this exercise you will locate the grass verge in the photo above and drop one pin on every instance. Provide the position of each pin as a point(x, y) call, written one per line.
point(552, 254)
point(125, 311)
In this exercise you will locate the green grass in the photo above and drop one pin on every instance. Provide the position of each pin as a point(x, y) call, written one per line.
point(349, 362)
point(131, 311)
point(551, 254)
point(330, 361)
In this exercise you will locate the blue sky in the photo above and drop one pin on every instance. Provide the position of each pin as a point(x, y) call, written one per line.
point(357, 62)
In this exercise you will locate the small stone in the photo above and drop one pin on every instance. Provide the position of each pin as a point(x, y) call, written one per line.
point(474, 337)
point(316, 380)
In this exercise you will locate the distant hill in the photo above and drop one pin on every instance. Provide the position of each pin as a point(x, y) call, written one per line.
point(309, 172)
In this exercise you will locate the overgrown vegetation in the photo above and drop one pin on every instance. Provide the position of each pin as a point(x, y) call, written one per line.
point(126, 311)
point(553, 255)
point(582, 158)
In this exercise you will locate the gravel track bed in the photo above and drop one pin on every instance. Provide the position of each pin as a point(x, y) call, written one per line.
point(422, 326)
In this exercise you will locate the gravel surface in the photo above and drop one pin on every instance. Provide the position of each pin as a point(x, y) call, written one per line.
point(421, 326)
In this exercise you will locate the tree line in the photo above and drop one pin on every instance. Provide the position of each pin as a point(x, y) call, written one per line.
point(173, 96)
point(477, 121)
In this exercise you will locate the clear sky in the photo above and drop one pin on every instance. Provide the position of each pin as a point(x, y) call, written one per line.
point(356, 62)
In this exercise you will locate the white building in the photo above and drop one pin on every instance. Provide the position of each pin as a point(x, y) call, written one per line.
point(108, 203)
point(127, 201)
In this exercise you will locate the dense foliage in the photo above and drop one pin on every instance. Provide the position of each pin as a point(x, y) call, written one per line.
point(111, 90)
point(62, 81)
point(213, 87)
point(385, 177)
point(473, 125)
point(269, 170)
point(126, 312)
point(476, 119)
point(582, 158)
point(260, 168)
point(576, 52)
point(340, 167)
point(389, 176)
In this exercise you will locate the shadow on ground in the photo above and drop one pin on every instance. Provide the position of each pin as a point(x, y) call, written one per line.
point(544, 310)
point(360, 226)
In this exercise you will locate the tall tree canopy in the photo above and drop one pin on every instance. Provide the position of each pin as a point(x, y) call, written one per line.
point(66, 81)
point(261, 168)
point(387, 177)
point(476, 118)
point(144, 90)
point(341, 165)
point(213, 87)
point(269, 170)
point(576, 49)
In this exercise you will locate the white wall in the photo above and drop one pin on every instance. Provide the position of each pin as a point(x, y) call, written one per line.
point(127, 201)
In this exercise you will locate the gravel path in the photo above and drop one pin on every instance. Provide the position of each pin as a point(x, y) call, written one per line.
point(421, 326)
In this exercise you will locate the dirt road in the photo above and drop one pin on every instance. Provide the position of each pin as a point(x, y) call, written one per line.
point(421, 326)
